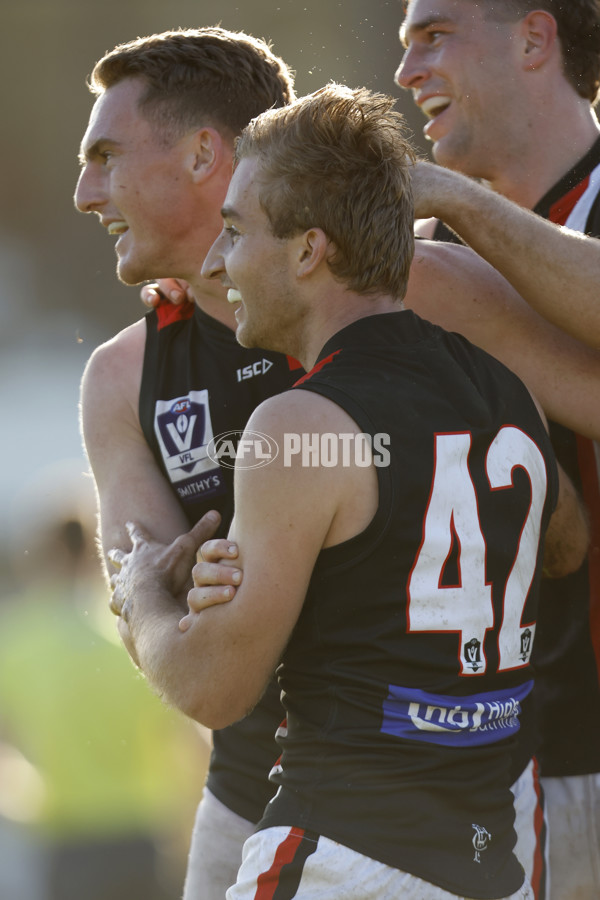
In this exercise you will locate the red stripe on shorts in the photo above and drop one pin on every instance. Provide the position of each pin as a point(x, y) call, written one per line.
point(538, 876)
point(267, 882)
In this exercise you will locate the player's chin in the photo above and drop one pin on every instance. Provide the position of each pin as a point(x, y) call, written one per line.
point(244, 336)
point(131, 273)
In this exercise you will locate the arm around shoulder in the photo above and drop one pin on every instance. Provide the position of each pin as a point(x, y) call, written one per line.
point(556, 270)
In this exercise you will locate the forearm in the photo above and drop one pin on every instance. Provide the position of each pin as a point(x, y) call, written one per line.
point(200, 668)
point(196, 670)
point(555, 270)
point(149, 628)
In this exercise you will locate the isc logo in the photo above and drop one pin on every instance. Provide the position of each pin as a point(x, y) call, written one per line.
point(246, 449)
point(260, 367)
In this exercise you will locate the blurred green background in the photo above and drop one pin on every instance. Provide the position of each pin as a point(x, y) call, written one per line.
point(97, 780)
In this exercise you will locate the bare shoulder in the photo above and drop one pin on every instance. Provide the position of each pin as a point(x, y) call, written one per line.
point(121, 355)
point(300, 410)
point(452, 286)
point(111, 382)
point(442, 258)
point(336, 502)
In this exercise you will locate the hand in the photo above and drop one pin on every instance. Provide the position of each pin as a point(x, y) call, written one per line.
point(151, 567)
point(215, 578)
point(174, 289)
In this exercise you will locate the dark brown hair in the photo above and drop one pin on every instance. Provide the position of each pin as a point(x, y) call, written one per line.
point(578, 23)
point(195, 77)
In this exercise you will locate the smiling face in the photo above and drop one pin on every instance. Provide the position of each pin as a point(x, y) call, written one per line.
point(139, 186)
point(464, 73)
point(257, 267)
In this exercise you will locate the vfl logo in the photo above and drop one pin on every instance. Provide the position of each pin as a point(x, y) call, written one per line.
point(473, 654)
point(183, 428)
point(481, 839)
point(246, 449)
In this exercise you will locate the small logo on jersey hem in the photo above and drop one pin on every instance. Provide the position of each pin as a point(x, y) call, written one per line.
point(481, 839)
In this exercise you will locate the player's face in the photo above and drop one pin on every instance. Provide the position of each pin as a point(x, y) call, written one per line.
point(136, 183)
point(256, 266)
point(462, 71)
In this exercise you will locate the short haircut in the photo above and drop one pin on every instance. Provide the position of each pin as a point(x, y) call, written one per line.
point(339, 160)
point(578, 23)
point(198, 77)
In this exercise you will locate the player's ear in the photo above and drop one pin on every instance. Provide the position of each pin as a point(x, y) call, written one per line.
point(539, 36)
point(205, 154)
point(313, 248)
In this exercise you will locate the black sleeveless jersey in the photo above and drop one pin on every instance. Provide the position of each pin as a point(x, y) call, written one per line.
point(198, 384)
point(567, 650)
point(405, 674)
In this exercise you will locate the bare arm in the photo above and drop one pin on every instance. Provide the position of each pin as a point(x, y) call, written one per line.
point(216, 669)
point(567, 538)
point(455, 288)
point(556, 270)
point(129, 484)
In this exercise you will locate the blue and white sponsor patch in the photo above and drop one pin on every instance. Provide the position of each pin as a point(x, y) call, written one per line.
point(184, 429)
point(453, 721)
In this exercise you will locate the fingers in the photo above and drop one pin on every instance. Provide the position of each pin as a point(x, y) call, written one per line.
point(137, 534)
point(150, 295)
point(214, 584)
point(206, 527)
point(217, 549)
point(116, 557)
point(174, 289)
point(213, 574)
point(116, 601)
point(202, 597)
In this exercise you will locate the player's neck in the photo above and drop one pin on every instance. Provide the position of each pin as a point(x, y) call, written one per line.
point(330, 318)
point(549, 154)
point(211, 297)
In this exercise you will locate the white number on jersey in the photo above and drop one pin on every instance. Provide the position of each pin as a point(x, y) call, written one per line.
point(452, 521)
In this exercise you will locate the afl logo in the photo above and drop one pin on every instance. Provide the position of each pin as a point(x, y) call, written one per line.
point(181, 406)
point(244, 449)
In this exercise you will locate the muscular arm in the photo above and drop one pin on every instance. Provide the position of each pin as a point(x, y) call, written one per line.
point(557, 271)
point(129, 484)
point(455, 288)
point(217, 668)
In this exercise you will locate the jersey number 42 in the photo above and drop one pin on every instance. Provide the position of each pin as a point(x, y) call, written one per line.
point(452, 520)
